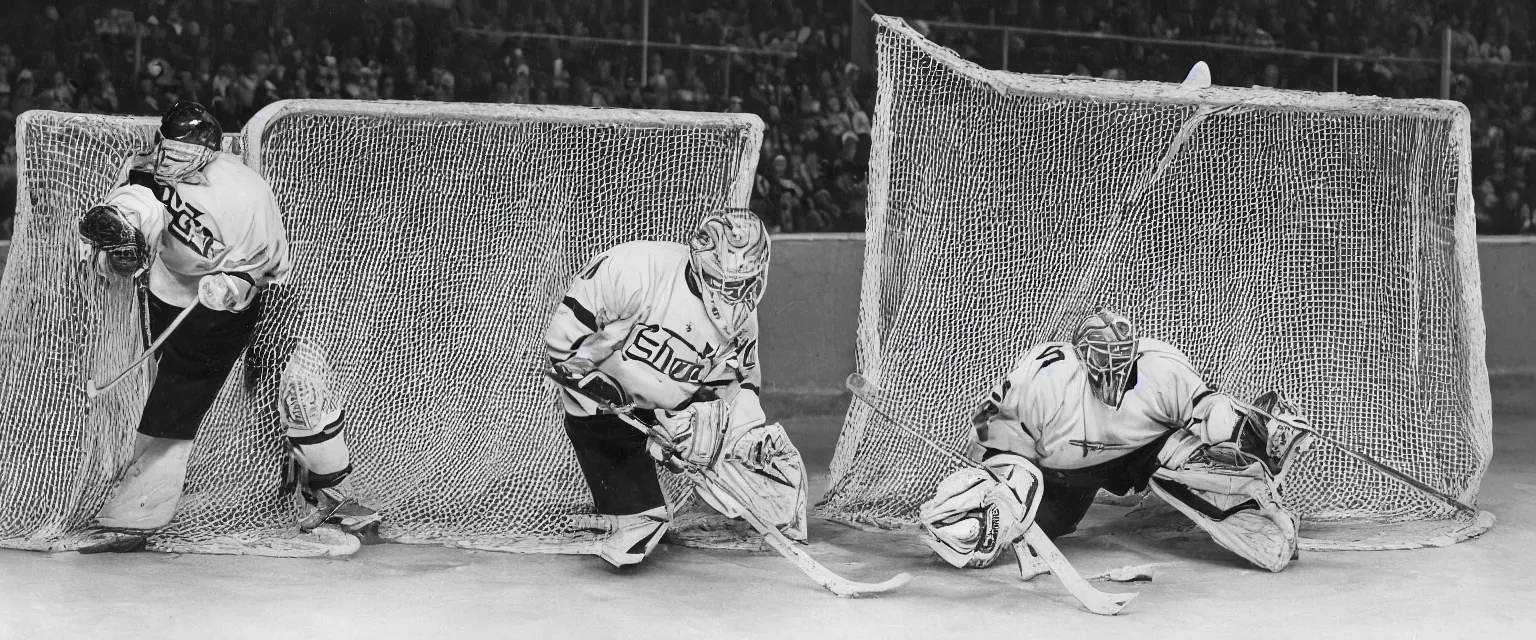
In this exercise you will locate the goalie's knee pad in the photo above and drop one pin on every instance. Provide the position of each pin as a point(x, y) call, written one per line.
point(763, 473)
point(313, 419)
point(150, 490)
point(973, 518)
point(1237, 502)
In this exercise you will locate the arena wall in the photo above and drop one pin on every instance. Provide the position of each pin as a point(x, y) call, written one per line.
point(810, 317)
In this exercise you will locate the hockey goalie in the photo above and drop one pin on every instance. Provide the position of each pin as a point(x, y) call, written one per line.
point(669, 330)
point(1116, 411)
point(201, 235)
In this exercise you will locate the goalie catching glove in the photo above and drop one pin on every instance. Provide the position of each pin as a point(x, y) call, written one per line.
point(114, 245)
point(1276, 442)
point(972, 517)
point(755, 459)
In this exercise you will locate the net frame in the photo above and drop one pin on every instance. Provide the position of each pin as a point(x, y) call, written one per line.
point(863, 494)
point(247, 516)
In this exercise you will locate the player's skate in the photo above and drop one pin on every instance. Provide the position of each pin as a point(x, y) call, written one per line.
point(627, 539)
point(110, 540)
point(336, 506)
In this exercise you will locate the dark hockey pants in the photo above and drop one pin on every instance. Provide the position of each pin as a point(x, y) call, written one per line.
point(613, 459)
point(1069, 493)
point(192, 364)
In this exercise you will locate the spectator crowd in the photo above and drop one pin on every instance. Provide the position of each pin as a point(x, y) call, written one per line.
point(792, 66)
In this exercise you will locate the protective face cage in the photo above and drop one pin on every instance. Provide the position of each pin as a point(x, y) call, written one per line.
point(176, 161)
point(1106, 343)
point(737, 292)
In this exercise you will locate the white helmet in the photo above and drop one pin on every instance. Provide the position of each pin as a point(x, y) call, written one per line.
point(1106, 342)
point(730, 253)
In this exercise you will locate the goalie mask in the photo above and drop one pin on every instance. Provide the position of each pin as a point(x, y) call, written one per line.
point(729, 254)
point(188, 139)
point(1106, 343)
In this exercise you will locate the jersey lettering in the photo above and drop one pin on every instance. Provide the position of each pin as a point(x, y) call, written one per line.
point(183, 225)
point(668, 353)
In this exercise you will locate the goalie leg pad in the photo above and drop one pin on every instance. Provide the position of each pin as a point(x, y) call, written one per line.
point(195, 361)
point(614, 462)
point(1238, 506)
point(765, 470)
point(313, 418)
point(150, 489)
point(973, 518)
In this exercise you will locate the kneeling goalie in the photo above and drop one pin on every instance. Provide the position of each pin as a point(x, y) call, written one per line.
point(1115, 411)
point(671, 331)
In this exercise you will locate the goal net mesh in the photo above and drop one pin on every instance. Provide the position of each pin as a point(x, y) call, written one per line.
point(430, 243)
point(1319, 245)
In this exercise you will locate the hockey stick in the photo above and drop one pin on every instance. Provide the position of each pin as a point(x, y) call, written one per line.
point(92, 391)
point(699, 474)
point(1369, 461)
point(1092, 599)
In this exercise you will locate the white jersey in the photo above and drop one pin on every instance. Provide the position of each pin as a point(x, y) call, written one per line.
point(189, 227)
point(635, 310)
point(1045, 411)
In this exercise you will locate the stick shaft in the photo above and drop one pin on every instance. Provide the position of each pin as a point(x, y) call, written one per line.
point(1369, 461)
point(94, 391)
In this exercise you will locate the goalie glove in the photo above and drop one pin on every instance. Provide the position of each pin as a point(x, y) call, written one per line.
point(1276, 442)
point(582, 374)
point(973, 518)
point(115, 245)
point(225, 292)
point(760, 469)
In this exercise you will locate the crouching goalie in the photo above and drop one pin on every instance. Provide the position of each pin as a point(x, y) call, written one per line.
point(204, 231)
point(670, 330)
point(1112, 410)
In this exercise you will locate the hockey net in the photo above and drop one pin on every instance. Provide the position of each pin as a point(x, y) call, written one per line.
point(1320, 245)
point(430, 245)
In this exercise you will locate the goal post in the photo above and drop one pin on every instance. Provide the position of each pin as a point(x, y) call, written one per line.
point(1322, 245)
point(430, 242)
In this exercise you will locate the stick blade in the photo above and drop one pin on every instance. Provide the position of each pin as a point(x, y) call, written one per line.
point(856, 589)
point(1110, 605)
